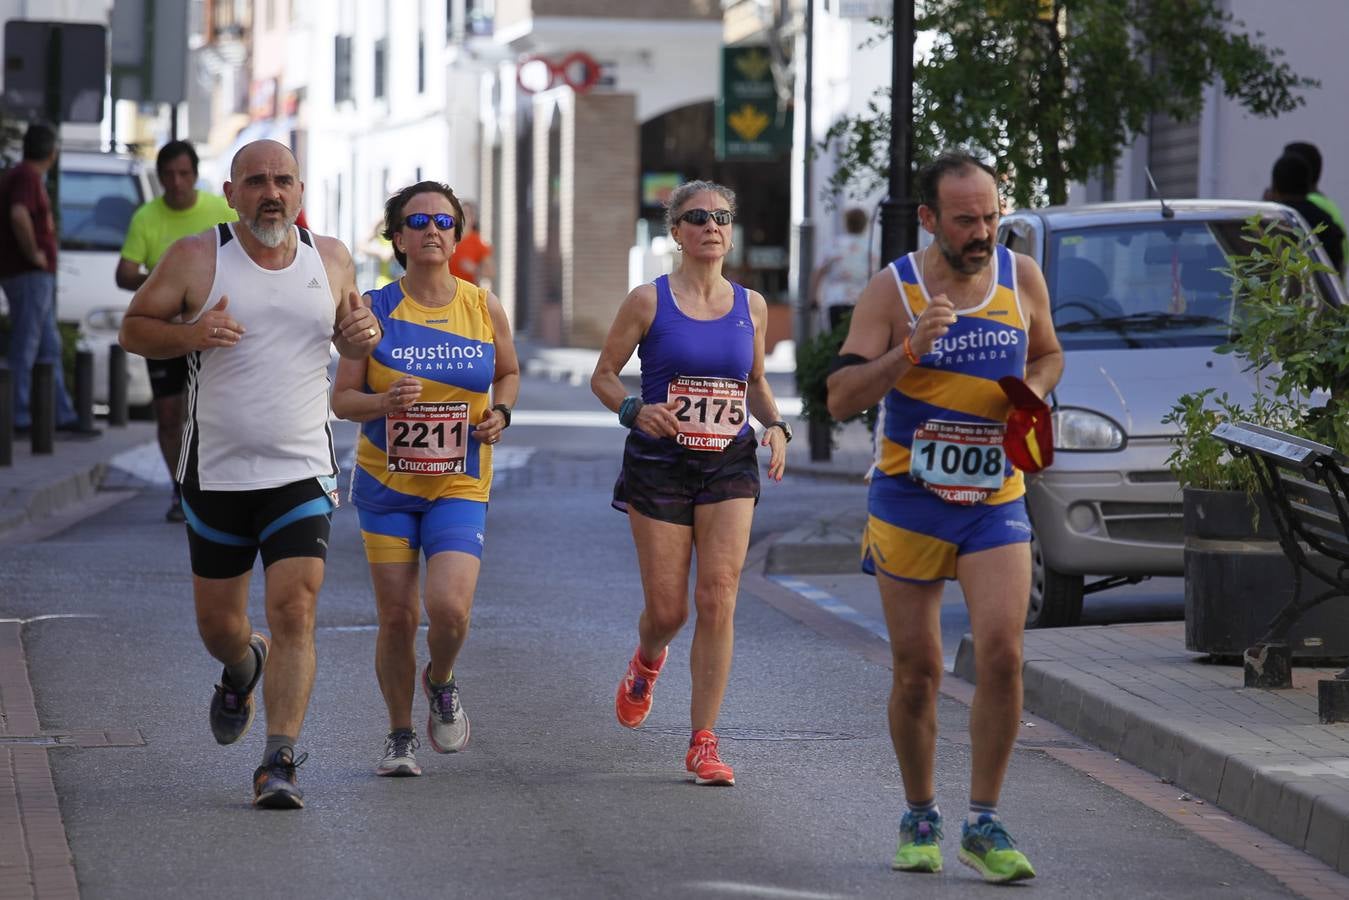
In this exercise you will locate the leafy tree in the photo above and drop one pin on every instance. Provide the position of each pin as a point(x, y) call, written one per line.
point(1054, 88)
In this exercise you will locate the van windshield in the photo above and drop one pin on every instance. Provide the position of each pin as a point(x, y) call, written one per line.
point(1145, 284)
point(96, 209)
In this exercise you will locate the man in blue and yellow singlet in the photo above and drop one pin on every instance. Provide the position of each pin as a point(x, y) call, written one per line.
point(182, 210)
point(932, 335)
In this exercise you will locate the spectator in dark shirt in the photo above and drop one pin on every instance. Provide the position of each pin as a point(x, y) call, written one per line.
point(1312, 155)
point(1291, 181)
point(27, 276)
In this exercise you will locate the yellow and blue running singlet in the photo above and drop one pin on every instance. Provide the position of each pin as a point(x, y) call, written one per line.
point(913, 532)
point(450, 349)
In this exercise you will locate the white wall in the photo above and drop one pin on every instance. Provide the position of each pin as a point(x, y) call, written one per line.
point(846, 78)
point(1240, 149)
point(361, 150)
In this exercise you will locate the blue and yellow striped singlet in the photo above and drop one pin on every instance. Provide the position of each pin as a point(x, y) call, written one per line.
point(958, 380)
point(451, 350)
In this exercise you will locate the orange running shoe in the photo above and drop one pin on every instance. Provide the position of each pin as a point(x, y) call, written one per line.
point(704, 761)
point(633, 701)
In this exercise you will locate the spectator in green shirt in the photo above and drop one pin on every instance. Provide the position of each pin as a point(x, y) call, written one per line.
point(1313, 158)
point(182, 210)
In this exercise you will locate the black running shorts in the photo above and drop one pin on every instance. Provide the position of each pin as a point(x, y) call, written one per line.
point(662, 480)
point(227, 529)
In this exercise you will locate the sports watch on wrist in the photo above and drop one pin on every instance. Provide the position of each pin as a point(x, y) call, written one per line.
point(786, 429)
point(505, 412)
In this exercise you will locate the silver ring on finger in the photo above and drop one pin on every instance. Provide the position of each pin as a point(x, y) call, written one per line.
point(213, 331)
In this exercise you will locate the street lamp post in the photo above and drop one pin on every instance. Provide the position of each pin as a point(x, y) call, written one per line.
point(820, 434)
point(898, 232)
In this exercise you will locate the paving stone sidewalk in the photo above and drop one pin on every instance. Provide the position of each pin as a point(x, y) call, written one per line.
point(35, 488)
point(1260, 755)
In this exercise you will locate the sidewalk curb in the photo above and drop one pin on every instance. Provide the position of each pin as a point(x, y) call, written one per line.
point(1237, 772)
point(22, 507)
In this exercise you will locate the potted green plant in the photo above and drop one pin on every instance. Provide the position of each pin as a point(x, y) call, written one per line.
point(1221, 496)
point(1236, 576)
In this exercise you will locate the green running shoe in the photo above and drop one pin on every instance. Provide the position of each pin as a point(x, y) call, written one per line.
point(987, 848)
point(919, 850)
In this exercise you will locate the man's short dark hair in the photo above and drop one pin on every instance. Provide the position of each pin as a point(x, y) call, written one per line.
point(947, 162)
point(855, 220)
point(1292, 176)
point(1310, 154)
point(38, 142)
point(171, 151)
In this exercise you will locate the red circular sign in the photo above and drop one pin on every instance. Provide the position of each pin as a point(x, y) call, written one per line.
point(578, 71)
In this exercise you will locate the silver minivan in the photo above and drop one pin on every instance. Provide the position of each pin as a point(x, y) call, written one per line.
point(1139, 304)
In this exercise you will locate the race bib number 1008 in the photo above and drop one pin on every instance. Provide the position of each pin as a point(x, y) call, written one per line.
point(428, 439)
point(711, 411)
point(961, 462)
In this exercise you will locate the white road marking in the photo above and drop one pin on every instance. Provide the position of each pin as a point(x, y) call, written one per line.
point(743, 889)
point(831, 604)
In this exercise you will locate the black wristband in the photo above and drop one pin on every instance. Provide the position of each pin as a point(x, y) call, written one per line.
point(505, 412)
point(628, 410)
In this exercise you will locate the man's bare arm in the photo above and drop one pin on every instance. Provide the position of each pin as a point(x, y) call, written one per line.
point(129, 276)
point(22, 222)
point(876, 334)
point(1044, 356)
point(177, 288)
point(356, 331)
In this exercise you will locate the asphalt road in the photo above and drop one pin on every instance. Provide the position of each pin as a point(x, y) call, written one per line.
point(552, 798)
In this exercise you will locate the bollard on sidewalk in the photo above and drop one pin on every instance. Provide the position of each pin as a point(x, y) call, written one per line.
point(117, 404)
point(6, 420)
point(84, 389)
point(42, 402)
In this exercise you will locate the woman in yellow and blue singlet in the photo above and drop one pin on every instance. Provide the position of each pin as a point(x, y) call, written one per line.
point(433, 398)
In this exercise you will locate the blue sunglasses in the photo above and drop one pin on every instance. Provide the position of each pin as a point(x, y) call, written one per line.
point(419, 221)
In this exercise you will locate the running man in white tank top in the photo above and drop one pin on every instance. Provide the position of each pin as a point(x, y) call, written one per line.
point(254, 307)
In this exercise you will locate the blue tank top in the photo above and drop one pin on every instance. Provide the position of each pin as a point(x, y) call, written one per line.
point(676, 344)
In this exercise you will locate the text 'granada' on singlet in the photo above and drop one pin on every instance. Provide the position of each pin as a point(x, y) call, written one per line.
point(958, 380)
point(677, 344)
point(257, 412)
point(451, 350)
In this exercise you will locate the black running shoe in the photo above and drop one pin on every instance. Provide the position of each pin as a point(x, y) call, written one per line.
point(274, 784)
point(232, 711)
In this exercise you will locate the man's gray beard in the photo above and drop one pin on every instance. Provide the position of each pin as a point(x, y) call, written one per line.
point(270, 235)
point(956, 259)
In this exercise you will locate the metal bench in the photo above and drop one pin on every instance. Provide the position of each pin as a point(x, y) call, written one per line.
point(1307, 490)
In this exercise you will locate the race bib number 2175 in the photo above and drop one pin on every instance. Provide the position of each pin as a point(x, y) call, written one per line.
point(710, 411)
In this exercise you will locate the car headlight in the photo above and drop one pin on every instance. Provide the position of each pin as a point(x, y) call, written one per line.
point(1082, 429)
point(105, 318)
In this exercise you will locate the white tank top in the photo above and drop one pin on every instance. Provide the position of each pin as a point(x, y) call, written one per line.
point(257, 412)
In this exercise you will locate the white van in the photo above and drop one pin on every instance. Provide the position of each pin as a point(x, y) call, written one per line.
point(98, 192)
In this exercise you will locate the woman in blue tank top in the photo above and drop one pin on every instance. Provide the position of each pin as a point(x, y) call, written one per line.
point(690, 477)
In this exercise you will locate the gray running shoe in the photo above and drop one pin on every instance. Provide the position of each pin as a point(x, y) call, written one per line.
point(447, 724)
point(232, 710)
point(274, 782)
point(400, 760)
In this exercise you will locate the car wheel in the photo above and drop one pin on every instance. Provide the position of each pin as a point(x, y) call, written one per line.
point(1055, 598)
